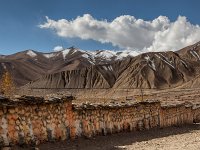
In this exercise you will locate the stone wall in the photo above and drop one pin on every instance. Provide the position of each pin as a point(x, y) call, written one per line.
point(27, 122)
point(31, 120)
point(176, 115)
point(92, 120)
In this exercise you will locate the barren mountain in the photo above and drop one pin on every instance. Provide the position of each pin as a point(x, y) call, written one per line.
point(75, 68)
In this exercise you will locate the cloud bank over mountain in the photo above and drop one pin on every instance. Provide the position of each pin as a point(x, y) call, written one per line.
point(127, 32)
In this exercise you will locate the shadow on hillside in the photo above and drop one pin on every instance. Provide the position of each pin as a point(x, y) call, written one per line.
point(116, 141)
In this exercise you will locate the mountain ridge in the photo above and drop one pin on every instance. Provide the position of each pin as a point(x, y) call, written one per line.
point(75, 68)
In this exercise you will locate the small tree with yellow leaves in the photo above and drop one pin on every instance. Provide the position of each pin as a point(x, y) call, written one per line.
point(7, 85)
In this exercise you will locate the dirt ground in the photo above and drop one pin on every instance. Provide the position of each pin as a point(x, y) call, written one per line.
point(171, 138)
point(169, 96)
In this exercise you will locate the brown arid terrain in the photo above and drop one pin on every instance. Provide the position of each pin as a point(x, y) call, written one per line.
point(167, 96)
point(172, 138)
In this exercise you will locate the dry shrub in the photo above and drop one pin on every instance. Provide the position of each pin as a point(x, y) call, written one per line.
point(7, 86)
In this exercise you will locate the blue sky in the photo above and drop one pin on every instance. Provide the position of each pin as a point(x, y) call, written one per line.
point(19, 20)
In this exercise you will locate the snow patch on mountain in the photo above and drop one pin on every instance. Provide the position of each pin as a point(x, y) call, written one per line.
point(147, 58)
point(184, 63)
point(110, 68)
point(93, 56)
point(196, 54)
point(50, 55)
point(150, 62)
point(89, 57)
point(166, 60)
point(31, 53)
point(105, 54)
point(105, 68)
point(74, 51)
point(123, 54)
point(85, 56)
point(65, 52)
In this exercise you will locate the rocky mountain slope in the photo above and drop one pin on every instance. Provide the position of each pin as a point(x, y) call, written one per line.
point(75, 68)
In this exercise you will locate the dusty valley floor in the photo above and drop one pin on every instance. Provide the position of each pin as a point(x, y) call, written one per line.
point(172, 138)
point(166, 97)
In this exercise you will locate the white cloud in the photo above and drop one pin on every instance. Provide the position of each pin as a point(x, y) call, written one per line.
point(127, 32)
point(58, 48)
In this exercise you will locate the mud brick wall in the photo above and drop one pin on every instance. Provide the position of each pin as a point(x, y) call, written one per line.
point(33, 121)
